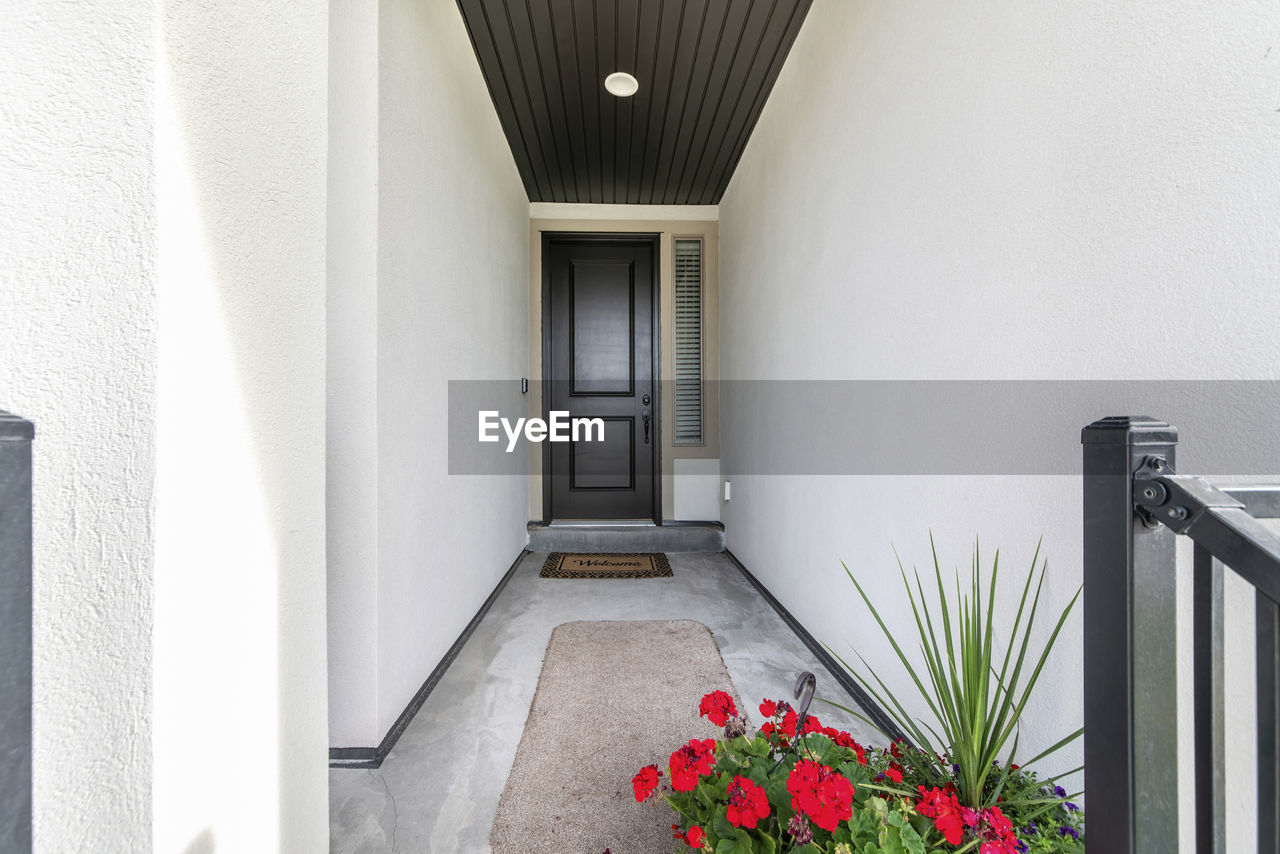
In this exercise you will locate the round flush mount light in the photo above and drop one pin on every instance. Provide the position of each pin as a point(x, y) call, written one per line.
point(622, 84)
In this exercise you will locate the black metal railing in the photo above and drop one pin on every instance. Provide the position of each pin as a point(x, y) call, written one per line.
point(15, 633)
point(1135, 506)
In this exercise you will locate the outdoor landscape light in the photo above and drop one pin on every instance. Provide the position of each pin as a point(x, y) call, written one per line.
point(622, 84)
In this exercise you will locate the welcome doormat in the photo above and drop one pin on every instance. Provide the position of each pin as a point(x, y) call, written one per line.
point(635, 565)
point(612, 698)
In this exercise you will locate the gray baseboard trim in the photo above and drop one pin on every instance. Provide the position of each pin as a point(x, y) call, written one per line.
point(666, 523)
point(371, 757)
point(847, 682)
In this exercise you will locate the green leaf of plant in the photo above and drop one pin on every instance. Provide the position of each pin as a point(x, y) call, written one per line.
point(911, 840)
point(898, 650)
point(1005, 770)
point(1044, 657)
point(1005, 708)
point(875, 726)
point(861, 825)
point(1017, 620)
point(1058, 746)
point(976, 707)
point(891, 841)
point(894, 711)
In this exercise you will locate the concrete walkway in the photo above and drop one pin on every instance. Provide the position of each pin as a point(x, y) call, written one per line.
point(438, 790)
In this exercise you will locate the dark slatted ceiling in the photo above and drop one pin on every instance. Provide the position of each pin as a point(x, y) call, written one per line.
point(705, 69)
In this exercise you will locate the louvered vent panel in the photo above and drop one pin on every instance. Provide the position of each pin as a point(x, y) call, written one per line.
point(688, 342)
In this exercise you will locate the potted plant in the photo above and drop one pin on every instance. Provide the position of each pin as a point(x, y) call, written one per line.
point(795, 785)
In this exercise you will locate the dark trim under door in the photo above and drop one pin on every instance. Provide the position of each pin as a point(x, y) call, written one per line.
point(653, 242)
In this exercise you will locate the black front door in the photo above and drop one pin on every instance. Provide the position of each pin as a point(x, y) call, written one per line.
point(599, 328)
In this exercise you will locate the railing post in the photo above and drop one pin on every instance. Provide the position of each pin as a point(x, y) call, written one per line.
point(1209, 638)
point(1268, 675)
point(15, 633)
point(1130, 688)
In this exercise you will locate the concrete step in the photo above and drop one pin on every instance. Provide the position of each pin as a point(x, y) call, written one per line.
point(596, 537)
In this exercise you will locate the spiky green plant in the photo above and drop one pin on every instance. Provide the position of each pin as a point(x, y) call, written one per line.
point(975, 708)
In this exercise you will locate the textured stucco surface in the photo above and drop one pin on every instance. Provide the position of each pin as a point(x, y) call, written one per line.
point(438, 292)
point(993, 191)
point(240, 702)
point(351, 485)
point(77, 357)
point(162, 321)
point(452, 304)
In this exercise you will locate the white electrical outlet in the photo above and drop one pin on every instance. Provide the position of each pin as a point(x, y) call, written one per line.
point(726, 490)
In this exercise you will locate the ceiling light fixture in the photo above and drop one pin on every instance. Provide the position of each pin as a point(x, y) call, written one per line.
point(622, 84)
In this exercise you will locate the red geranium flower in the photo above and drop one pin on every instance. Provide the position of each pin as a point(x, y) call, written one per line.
point(789, 723)
point(768, 708)
point(820, 793)
point(767, 729)
point(996, 832)
point(717, 707)
point(894, 772)
point(645, 781)
point(811, 724)
point(695, 837)
point(690, 762)
point(748, 803)
point(843, 739)
point(944, 808)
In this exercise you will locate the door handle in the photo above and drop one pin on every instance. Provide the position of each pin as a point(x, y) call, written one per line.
point(646, 426)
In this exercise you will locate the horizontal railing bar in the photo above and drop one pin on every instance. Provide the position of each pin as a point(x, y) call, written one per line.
point(1251, 549)
point(1262, 502)
point(1217, 521)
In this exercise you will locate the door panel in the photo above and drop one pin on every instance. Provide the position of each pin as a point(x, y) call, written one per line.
point(609, 464)
point(599, 326)
point(602, 303)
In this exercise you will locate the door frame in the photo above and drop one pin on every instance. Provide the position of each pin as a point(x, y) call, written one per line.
point(653, 240)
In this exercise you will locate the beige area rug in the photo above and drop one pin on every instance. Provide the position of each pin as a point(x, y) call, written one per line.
point(632, 565)
point(612, 698)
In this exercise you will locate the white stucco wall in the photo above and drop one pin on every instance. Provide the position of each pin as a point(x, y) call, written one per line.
point(451, 261)
point(77, 356)
point(993, 191)
point(452, 267)
point(162, 197)
point(240, 687)
point(352, 408)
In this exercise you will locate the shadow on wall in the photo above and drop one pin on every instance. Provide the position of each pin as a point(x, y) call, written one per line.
point(241, 146)
point(202, 844)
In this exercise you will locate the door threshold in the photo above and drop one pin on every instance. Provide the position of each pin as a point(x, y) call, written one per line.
point(602, 523)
